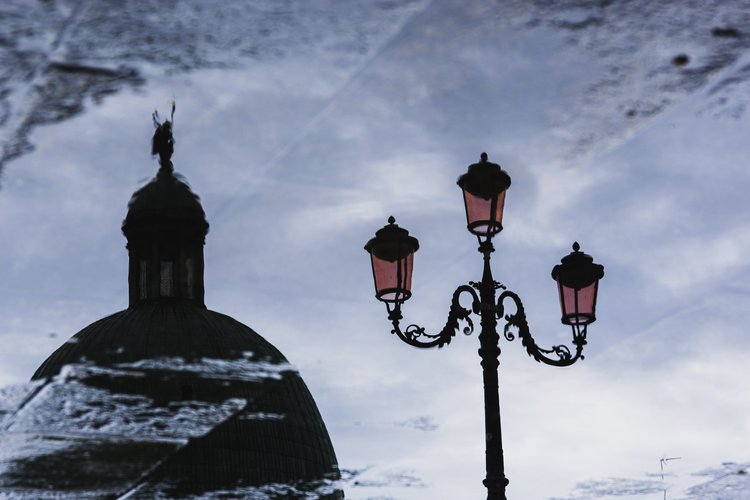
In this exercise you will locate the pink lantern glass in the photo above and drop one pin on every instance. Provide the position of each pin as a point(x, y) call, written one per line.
point(484, 217)
point(392, 279)
point(578, 306)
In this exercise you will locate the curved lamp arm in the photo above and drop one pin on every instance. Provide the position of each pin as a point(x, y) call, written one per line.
point(416, 336)
point(518, 320)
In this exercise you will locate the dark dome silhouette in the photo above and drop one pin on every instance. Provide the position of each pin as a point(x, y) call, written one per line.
point(168, 347)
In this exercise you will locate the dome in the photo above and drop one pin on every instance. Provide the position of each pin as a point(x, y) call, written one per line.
point(158, 339)
point(166, 398)
point(160, 329)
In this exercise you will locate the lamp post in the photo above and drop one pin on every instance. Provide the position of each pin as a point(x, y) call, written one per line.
point(392, 254)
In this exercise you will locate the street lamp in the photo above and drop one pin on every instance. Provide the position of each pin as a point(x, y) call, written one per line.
point(392, 254)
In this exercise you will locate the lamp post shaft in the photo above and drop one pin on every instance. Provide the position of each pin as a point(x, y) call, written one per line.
point(489, 351)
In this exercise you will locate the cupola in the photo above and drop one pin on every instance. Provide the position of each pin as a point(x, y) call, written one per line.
point(166, 229)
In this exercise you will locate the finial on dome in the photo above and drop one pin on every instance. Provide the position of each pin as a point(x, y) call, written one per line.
point(162, 143)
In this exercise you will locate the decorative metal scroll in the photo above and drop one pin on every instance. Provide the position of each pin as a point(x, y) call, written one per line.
point(518, 320)
point(416, 335)
point(516, 325)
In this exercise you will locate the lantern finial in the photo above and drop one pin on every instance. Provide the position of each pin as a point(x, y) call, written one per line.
point(391, 220)
point(576, 246)
point(483, 157)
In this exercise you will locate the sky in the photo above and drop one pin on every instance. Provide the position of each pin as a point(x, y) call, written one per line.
point(304, 127)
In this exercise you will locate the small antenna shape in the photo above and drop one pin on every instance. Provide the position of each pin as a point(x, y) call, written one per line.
point(663, 462)
point(162, 143)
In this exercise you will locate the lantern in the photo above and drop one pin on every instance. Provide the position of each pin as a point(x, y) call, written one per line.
point(392, 254)
point(577, 283)
point(484, 186)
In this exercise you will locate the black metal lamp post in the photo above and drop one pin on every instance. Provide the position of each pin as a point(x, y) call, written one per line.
point(392, 254)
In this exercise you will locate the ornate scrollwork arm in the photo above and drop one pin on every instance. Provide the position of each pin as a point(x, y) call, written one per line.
point(416, 336)
point(518, 320)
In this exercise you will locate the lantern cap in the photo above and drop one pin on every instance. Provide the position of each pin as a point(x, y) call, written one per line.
point(484, 179)
point(577, 269)
point(392, 242)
